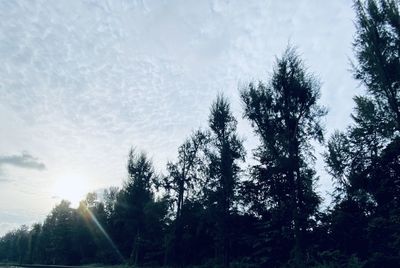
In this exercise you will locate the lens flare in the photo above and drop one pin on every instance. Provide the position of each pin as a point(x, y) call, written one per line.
point(104, 233)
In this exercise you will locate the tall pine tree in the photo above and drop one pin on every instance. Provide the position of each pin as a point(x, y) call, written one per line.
point(365, 158)
point(225, 151)
point(286, 116)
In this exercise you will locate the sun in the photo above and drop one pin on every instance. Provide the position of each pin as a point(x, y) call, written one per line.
point(72, 187)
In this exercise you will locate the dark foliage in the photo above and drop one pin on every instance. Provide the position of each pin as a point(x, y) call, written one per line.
point(285, 115)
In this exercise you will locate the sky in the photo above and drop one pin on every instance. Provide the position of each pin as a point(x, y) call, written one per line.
point(81, 82)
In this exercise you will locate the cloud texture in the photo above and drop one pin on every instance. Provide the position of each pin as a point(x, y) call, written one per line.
point(82, 81)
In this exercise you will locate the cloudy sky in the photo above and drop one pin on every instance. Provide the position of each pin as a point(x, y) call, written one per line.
point(83, 81)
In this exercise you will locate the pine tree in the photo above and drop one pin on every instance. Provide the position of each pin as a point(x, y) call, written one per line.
point(286, 116)
point(181, 183)
point(132, 200)
point(377, 49)
point(224, 153)
point(364, 159)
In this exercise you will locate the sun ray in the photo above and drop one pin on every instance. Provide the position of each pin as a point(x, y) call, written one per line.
point(104, 233)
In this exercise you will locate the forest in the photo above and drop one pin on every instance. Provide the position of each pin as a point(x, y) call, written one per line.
point(215, 208)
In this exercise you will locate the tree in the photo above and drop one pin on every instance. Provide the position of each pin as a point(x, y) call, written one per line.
point(34, 244)
point(224, 152)
point(58, 235)
point(377, 48)
point(364, 162)
point(286, 116)
point(183, 176)
point(110, 199)
point(130, 207)
point(353, 155)
point(364, 159)
point(138, 217)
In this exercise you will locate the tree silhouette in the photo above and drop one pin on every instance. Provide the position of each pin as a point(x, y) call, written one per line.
point(286, 116)
point(224, 152)
point(362, 159)
point(181, 179)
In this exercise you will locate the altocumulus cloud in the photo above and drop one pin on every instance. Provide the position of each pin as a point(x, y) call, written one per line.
point(24, 160)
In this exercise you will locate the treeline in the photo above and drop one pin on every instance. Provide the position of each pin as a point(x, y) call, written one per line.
point(209, 209)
